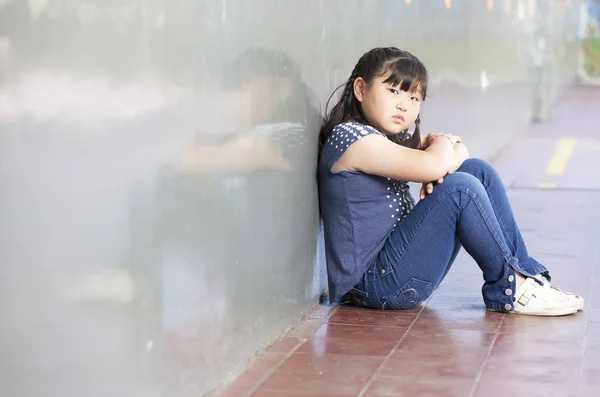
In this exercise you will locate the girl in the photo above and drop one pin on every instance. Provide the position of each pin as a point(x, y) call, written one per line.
point(385, 252)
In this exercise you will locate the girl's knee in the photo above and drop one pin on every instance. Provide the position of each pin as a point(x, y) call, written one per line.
point(475, 164)
point(463, 179)
point(481, 169)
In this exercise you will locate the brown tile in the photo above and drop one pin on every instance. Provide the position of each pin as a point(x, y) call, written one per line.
point(526, 368)
point(461, 364)
point(306, 328)
point(322, 346)
point(449, 304)
point(331, 365)
point(441, 338)
point(567, 326)
point(461, 319)
point(364, 333)
point(258, 370)
point(285, 345)
point(261, 392)
point(402, 387)
point(313, 384)
point(322, 311)
point(502, 387)
point(384, 318)
point(328, 374)
point(538, 348)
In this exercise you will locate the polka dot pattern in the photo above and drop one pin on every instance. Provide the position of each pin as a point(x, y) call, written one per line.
point(398, 200)
point(344, 135)
point(401, 200)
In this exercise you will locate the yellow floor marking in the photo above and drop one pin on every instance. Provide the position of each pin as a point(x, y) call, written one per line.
point(548, 185)
point(562, 154)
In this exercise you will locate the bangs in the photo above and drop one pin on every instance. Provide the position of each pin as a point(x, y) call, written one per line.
point(410, 73)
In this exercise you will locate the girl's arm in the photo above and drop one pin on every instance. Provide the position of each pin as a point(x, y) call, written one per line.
point(244, 154)
point(377, 155)
point(461, 153)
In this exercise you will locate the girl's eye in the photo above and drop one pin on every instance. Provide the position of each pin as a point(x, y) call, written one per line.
point(393, 91)
point(415, 99)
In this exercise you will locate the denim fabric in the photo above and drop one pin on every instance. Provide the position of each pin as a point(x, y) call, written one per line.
point(469, 209)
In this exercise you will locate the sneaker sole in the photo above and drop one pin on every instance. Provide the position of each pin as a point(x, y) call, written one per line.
point(556, 313)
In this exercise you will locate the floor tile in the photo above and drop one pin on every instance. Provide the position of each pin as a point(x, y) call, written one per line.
point(382, 318)
point(332, 365)
point(322, 346)
point(535, 345)
point(502, 387)
point(461, 364)
point(593, 329)
point(258, 370)
point(313, 384)
point(594, 314)
point(591, 377)
point(403, 387)
point(459, 319)
point(440, 338)
point(573, 326)
point(285, 345)
point(590, 391)
point(294, 393)
point(341, 374)
point(364, 333)
point(322, 312)
point(523, 368)
point(592, 344)
point(306, 328)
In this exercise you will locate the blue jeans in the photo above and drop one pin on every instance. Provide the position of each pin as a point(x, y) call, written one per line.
point(469, 209)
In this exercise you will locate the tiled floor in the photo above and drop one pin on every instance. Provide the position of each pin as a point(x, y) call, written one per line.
point(451, 346)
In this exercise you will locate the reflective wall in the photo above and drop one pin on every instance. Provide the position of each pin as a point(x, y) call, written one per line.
point(158, 211)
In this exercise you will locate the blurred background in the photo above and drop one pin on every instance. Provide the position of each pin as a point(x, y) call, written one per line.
point(158, 207)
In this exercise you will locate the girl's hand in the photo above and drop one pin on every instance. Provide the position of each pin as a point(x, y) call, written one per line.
point(428, 188)
point(428, 139)
point(453, 138)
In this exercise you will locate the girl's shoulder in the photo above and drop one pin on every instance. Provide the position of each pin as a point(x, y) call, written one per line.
point(342, 137)
point(354, 127)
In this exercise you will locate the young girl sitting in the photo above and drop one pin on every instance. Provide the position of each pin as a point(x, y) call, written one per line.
point(382, 250)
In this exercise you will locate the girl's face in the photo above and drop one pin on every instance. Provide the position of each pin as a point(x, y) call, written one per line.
point(255, 102)
point(249, 103)
point(386, 106)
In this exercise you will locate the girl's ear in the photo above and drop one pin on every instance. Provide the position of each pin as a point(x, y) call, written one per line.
point(359, 87)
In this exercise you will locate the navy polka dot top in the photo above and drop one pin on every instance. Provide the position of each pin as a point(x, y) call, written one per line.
point(359, 211)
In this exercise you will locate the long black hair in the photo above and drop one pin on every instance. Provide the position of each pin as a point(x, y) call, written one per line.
point(265, 62)
point(403, 68)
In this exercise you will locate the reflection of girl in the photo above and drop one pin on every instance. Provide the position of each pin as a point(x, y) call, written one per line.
point(264, 174)
point(240, 214)
point(264, 93)
point(382, 250)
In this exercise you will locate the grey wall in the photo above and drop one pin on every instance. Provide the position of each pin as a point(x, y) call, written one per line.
point(158, 214)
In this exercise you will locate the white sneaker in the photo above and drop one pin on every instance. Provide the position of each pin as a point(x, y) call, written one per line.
point(577, 300)
point(535, 299)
